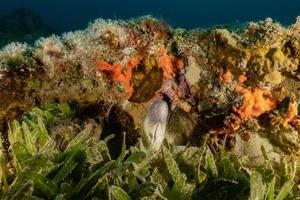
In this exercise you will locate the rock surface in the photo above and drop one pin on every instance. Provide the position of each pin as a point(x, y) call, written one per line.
point(214, 80)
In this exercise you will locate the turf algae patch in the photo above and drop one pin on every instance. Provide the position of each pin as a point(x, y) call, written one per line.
point(147, 80)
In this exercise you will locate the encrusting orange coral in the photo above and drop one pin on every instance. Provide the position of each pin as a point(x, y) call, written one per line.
point(169, 63)
point(255, 102)
point(119, 72)
point(227, 77)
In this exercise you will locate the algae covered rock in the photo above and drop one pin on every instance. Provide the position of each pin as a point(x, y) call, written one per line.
point(214, 81)
point(84, 97)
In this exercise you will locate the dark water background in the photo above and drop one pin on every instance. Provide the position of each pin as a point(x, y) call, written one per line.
point(65, 15)
point(39, 18)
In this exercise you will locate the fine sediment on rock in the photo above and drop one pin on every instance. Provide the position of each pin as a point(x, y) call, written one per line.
point(223, 82)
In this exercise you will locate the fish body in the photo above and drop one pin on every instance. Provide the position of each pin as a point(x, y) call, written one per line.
point(154, 126)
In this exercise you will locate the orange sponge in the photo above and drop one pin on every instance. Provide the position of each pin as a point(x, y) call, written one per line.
point(255, 102)
point(169, 63)
point(120, 73)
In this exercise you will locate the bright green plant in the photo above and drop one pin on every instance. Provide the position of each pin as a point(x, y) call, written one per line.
point(37, 168)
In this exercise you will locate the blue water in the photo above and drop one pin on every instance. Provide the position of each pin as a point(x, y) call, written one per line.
point(67, 15)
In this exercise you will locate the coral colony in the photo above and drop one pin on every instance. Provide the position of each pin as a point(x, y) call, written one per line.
point(140, 110)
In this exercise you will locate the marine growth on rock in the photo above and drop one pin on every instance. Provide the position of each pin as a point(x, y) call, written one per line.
point(148, 81)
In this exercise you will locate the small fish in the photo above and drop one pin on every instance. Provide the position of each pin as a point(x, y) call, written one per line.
point(154, 126)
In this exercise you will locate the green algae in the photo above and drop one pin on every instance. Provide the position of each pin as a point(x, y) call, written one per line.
point(49, 172)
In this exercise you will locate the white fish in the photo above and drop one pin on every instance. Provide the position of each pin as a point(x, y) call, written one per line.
point(154, 126)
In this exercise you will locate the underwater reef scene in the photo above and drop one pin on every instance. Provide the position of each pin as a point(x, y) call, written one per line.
point(137, 109)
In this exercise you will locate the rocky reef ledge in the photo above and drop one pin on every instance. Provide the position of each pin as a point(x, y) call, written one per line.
point(239, 84)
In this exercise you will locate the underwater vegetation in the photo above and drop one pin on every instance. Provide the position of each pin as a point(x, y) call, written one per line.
point(79, 166)
point(195, 114)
